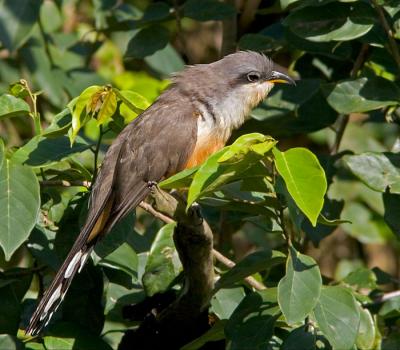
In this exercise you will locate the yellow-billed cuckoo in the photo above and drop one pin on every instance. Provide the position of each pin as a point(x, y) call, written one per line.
point(192, 119)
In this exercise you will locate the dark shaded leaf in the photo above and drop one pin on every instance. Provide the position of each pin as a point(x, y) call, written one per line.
point(333, 21)
point(163, 263)
point(252, 323)
point(208, 10)
point(300, 288)
point(251, 264)
point(147, 41)
point(361, 95)
point(17, 19)
point(41, 151)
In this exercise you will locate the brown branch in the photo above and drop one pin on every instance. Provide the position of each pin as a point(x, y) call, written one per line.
point(389, 32)
point(218, 256)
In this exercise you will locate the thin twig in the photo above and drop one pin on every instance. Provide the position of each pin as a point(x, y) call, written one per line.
point(64, 183)
point(389, 32)
point(96, 153)
point(386, 297)
point(218, 256)
point(344, 119)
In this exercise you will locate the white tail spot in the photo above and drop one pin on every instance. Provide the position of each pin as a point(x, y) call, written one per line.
point(83, 260)
point(56, 294)
point(71, 266)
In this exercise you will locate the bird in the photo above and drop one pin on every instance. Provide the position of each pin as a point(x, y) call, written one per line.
point(188, 122)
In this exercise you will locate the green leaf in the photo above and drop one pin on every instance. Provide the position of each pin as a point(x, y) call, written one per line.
point(11, 106)
point(20, 203)
point(225, 301)
point(305, 179)
point(181, 180)
point(391, 203)
point(361, 278)
point(300, 339)
point(258, 42)
point(251, 264)
point(366, 331)
point(108, 107)
point(228, 164)
point(123, 258)
point(147, 41)
point(132, 104)
point(79, 108)
point(379, 171)
point(208, 10)
point(361, 95)
point(333, 21)
point(166, 61)
point(365, 226)
point(60, 124)
point(54, 343)
point(215, 333)
point(163, 263)
point(252, 323)
point(299, 289)
point(9, 342)
point(41, 151)
point(338, 317)
point(17, 19)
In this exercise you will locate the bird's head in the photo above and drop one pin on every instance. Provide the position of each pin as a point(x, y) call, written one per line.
point(235, 84)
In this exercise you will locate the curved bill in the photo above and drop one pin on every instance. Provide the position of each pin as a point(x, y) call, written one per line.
point(278, 77)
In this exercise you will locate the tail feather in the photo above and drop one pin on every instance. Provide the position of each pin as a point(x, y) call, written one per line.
point(54, 295)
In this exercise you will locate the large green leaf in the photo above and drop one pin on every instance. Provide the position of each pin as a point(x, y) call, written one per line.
point(17, 19)
point(333, 21)
point(338, 317)
point(252, 323)
point(11, 106)
point(41, 151)
point(123, 258)
point(305, 179)
point(225, 301)
point(19, 203)
point(379, 171)
point(163, 263)
point(251, 264)
point(228, 164)
point(299, 289)
point(147, 41)
point(362, 94)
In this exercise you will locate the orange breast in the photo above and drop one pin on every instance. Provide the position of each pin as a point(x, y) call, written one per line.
point(205, 146)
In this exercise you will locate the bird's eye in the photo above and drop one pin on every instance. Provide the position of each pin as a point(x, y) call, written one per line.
point(253, 77)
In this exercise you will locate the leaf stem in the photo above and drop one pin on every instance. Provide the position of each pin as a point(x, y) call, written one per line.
point(389, 32)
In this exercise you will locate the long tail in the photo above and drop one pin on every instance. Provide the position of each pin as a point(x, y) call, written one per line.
point(54, 295)
point(73, 263)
